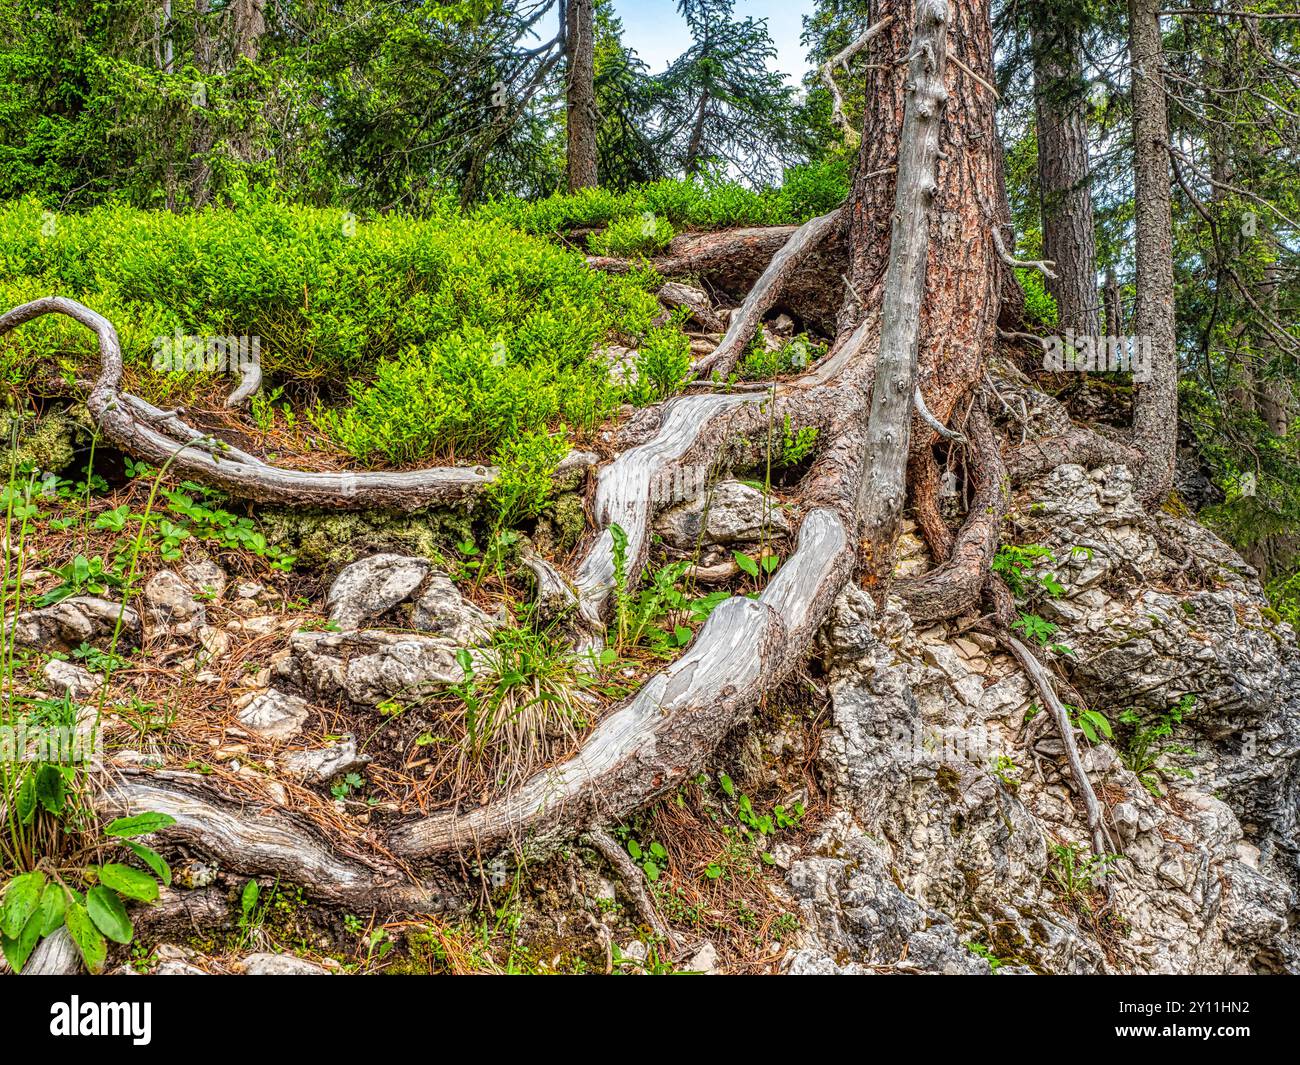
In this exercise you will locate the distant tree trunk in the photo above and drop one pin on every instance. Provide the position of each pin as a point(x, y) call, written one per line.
point(696, 144)
point(202, 143)
point(580, 50)
point(249, 25)
point(1155, 408)
point(1113, 311)
point(1065, 201)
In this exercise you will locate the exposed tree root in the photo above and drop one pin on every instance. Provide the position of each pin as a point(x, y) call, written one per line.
point(732, 261)
point(851, 498)
point(954, 587)
point(255, 843)
point(663, 733)
point(746, 320)
point(144, 432)
point(1102, 844)
point(633, 882)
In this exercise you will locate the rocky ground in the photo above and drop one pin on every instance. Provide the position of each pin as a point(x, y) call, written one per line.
point(902, 806)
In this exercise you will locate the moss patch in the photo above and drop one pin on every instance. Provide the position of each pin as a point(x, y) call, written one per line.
point(328, 538)
point(48, 443)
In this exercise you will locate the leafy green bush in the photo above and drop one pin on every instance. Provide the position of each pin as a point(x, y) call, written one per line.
point(525, 483)
point(762, 363)
point(690, 203)
point(641, 234)
point(662, 365)
point(1040, 307)
point(453, 334)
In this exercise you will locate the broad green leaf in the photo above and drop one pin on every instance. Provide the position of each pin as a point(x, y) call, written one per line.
point(746, 563)
point(152, 859)
point(634, 848)
point(25, 804)
point(248, 900)
point(50, 910)
point(21, 899)
point(50, 790)
point(651, 871)
point(108, 913)
point(87, 937)
point(18, 949)
point(683, 635)
point(132, 883)
point(139, 825)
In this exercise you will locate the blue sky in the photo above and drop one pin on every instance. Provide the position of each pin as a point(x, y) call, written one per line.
point(659, 35)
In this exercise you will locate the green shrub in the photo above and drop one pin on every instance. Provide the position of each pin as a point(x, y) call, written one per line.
point(662, 365)
point(761, 363)
point(690, 203)
point(1040, 307)
point(525, 484)
point(453, 334)
point(641, 234)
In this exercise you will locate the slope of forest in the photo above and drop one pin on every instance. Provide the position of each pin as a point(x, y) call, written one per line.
point(657, 523)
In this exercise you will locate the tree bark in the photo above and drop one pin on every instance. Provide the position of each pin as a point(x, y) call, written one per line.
point(884, 488)
point(1065, 201)
point(580, 50)
point(1155, 407)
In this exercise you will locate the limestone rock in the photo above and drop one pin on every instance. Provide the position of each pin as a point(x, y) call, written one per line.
point(372, 587)
point(324, 764)
point(278, 965)
point(370, 666)
point(728, 513)
point(68, 624)
point(70, 679)
point(171, 605)
point(273, 715)
point(442, 611)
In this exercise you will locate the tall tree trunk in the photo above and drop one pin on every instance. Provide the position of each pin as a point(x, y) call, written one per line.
point(958, 316)
point(203, 139)
point(1065, 202)
point(580, 50)
point(1155, 407)
point(696, 144)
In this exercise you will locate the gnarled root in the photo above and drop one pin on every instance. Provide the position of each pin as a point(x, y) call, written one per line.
point(161, 438)
point(1102, 844)
point(766, 291)
point(259, 843)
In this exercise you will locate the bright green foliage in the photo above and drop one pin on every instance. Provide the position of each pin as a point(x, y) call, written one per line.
point(663, 364)
point(1149, 745)
point(631, 235)
point(525, 483)
point(35, 906)
point(704, 202)
point(762, 363)
point(457, 335)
